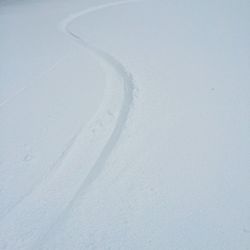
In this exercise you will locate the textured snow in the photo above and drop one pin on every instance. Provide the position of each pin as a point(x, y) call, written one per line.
point(124, 125)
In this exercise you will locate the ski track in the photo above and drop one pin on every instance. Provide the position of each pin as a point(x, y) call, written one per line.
point(54, 166)
point(127, 103)
point(128, 88)
point(20, 91)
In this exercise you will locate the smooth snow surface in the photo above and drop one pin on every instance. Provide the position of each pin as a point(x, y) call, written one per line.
point(124, 124)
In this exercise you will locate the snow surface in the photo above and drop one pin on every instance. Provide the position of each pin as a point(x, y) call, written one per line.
point(125, 124)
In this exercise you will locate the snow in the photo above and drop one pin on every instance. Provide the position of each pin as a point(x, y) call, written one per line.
point(124, 125)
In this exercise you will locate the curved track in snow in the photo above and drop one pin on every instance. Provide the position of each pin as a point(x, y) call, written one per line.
point(128, 89)
point(128, 96)
point(41, 231)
